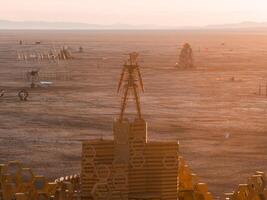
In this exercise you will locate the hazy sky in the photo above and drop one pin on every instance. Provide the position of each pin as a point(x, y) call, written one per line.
point(157, 12)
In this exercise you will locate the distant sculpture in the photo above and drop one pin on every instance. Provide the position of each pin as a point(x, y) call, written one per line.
point(33, 77)
point(2, 92)
point(186, 58)
point(80, 49)
point(23, 95)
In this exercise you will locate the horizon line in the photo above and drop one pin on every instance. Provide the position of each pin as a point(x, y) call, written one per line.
point(68, 25)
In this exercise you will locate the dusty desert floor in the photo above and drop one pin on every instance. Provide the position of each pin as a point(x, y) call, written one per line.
point(220, 122)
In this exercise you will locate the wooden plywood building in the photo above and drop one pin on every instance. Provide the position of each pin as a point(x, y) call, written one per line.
point(130, 167)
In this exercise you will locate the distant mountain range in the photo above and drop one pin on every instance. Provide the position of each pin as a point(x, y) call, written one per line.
point(5, 24)
point(242, 25)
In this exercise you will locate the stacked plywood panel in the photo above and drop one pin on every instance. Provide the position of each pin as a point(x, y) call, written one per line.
point(120, 181)
point(162, 169)
point(137, 159)
point(121, 132)
point(120, 173)
point(97, 159)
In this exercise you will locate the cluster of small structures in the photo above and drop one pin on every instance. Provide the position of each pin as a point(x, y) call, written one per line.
point(20, 183)
point(51, 55)
point(33, 76)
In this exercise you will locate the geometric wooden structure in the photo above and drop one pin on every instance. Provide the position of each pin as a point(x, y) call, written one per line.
point(130, 166)
point(189, 187)
point(20, 183)
point(254, 189)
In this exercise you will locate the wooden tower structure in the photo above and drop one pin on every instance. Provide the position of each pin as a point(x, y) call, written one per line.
point(130, 166)
point(186, 60)
point(131, 76)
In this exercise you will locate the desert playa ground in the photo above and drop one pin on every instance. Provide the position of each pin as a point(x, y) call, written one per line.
point(214, 111)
